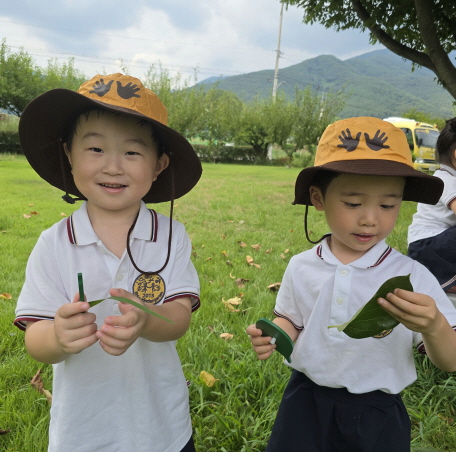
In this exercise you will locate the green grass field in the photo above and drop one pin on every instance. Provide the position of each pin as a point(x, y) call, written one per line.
point(231, 204)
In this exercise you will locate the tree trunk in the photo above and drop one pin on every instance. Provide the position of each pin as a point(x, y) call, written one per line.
point(440, 63)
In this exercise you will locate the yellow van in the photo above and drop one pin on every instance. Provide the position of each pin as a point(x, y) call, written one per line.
point(422, 139)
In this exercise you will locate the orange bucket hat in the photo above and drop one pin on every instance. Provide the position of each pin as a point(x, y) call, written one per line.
point(368, 147)
point(45, 120)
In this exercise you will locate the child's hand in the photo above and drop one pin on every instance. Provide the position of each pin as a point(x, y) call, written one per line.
point(416, 311)
point(260, 344)
point(74, 327)
point(119, 332)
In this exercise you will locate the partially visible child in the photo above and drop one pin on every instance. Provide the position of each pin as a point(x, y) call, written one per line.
point(432, 234)
point(344, 393)
point(118, 383)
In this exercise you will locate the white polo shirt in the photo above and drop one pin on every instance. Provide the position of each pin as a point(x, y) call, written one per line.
point(135, 402)
point(318, 290)
point(431, 220)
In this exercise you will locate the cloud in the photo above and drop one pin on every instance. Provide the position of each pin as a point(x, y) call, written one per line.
point(218, 37)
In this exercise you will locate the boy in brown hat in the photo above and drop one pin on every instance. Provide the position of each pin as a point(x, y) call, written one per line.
point(118, 383)
point(344, 393)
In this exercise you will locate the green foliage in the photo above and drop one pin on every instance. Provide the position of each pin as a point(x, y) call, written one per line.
point(21, 80)
point(8, 123)
point(378, 84)
point(227, 154)
point(9, 142)
point(231, 203)
point(185, 107)
point(424, 35)
point(421, 116)
point(63, 75)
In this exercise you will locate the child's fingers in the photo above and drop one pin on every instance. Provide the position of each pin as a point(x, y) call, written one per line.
point(253, 331)
point(262, 340)
point(125, 294)
point(264, 351)
point(70, 309)
point(265, 355)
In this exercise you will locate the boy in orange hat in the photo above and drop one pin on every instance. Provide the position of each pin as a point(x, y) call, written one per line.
point(118, 383)
point(344, 393)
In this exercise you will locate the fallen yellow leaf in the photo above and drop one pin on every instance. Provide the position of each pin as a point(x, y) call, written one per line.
point(207, 378)
point(275, 286)
point(5, 296)
point(249, 259)
point(241, 282)
point(26, 215)
point(231, 303)
point(256, 247)
point(227, 336)
point(242, 244)
point(37, 383)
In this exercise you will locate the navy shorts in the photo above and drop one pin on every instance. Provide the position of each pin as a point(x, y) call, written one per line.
point(189, 447)
point(438, 255)
point(315, 418)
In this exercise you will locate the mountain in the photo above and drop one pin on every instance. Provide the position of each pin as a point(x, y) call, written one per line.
point(378, 83)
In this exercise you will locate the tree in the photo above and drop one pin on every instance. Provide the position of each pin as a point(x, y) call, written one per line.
point(20, 79)
point(63, 75)
point(253, 128)
point(220, 117)
point(422, 31)
point(185, 106)
point(300, 123)
point(424, 117)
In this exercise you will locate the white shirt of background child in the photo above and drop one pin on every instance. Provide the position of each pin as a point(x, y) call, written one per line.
point(431, 220)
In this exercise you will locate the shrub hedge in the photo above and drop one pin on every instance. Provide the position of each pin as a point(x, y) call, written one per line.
point(9, 142)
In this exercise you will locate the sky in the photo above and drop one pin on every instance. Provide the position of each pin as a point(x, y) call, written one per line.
point(203, 37)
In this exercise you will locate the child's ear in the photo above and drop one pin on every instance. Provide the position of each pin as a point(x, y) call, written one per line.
point(68, 153)
point(162, 164)
point(316, 197)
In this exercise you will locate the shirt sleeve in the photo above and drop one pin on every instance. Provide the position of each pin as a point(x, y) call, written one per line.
point(286, 303)
point(183, 279)
point(449, 190)
point(43, 291)
point(423, 281)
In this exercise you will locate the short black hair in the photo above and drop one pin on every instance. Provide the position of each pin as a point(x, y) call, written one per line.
point(323, 178)
point(446, 142)
point(74, 121)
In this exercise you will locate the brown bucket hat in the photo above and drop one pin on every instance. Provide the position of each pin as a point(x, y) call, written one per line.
point(43, 125)
point(368, 147)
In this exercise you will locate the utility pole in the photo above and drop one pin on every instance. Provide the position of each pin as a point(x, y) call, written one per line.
point(276, 70)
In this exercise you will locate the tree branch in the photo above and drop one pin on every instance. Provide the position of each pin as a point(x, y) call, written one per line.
point(445, 70)
point(391, 44)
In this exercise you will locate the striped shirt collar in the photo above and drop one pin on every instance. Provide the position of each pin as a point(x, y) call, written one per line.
point(80, 230)
point(374, 257)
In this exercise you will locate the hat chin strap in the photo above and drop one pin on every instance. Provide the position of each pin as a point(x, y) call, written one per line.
point(171, 167)
point(306, 230)
point(66, 197)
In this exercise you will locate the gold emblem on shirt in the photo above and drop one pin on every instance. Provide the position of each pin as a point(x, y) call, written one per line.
point(384, 333)
point(149, 288)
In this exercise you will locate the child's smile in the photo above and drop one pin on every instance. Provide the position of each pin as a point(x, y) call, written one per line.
point(114, 161)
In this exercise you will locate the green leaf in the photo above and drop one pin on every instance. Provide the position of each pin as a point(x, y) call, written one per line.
point(372, 319)
point(133, 303)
